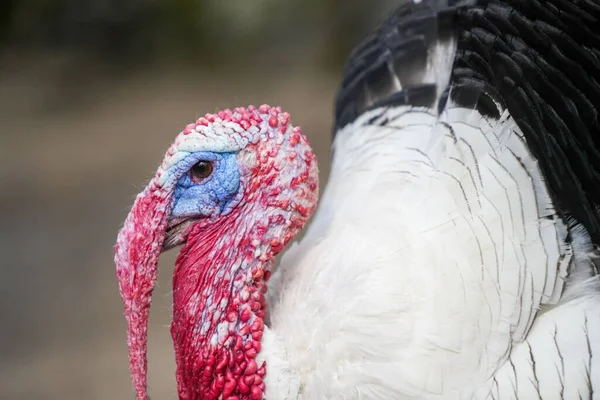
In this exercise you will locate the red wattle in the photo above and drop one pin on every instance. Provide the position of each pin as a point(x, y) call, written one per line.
point(218, 314)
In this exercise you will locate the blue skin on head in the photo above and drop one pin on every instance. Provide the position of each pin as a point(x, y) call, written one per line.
point(214, 194)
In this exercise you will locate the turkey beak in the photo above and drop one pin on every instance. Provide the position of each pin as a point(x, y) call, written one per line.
point(138, 248)
point(176, 233)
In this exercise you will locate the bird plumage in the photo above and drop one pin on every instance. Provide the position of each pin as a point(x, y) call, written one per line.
point(457, 217)
point(452, 255)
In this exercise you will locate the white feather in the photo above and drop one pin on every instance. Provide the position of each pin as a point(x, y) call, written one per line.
point(425, 269)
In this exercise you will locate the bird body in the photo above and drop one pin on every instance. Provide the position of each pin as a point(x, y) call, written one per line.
point(452, 255)
point(423, 282)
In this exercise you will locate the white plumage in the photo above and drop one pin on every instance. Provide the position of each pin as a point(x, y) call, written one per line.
point(435, 268)
point(433, 295)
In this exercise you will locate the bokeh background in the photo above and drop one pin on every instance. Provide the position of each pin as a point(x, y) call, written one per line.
point(91, 94)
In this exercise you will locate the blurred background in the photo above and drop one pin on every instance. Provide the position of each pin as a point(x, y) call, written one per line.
point(92, 92)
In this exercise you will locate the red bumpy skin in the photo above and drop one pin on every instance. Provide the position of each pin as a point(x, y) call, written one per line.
point(221, 273)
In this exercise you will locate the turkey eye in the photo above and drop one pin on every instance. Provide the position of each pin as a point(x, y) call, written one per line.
point(201, 170)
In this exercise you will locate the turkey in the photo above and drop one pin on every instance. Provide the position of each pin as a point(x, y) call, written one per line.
point(452, 255)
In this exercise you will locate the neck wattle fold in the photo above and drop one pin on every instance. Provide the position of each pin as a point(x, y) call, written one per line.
point(219, 307)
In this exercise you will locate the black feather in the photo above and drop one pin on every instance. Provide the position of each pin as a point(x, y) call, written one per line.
point(539, 59)
point(397, 51)
point(542, 58)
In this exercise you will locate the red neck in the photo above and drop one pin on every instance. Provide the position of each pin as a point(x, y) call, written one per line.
point(218, 312)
